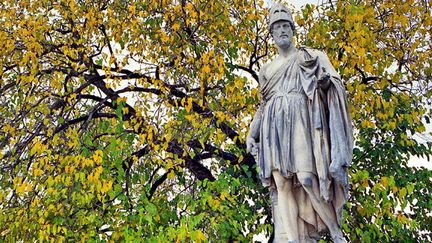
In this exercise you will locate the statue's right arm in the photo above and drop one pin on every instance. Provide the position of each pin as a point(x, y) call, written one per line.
point(255, 126)
point(254, 132)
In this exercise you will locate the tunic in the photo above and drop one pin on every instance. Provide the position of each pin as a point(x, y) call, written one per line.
point(285, 125)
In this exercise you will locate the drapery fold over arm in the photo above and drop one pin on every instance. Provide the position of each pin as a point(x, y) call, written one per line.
point(254, 131)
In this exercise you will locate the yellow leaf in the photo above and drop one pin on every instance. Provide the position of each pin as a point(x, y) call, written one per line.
point(37, 148)
point(176, 26)
point(384, 181)
point(171, 175)
point(189, 104)
point(200, 236)
point(206, 69)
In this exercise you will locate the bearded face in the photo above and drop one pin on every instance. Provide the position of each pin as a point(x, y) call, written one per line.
point(282, 33)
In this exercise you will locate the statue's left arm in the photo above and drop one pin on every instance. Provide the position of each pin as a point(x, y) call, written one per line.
point(339, 120)
point(326, 73)
point(325, 88)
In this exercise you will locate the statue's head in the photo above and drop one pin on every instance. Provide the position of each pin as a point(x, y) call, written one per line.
point(281, 25)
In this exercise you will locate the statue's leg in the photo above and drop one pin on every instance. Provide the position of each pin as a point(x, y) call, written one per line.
point(287, 206)
point(324, 209)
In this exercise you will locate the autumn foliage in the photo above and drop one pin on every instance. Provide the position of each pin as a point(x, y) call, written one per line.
point(126, 120)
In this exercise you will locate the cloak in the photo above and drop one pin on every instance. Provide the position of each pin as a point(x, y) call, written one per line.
point(331, 127)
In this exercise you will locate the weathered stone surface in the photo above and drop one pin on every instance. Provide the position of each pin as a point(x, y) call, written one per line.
point(301, 137)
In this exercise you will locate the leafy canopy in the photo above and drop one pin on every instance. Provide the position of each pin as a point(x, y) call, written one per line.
point(126, 120)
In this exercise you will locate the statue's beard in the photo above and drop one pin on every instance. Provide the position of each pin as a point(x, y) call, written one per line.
point(283, 43)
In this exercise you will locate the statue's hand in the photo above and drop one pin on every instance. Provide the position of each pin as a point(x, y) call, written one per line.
point(251, 146)
point(339, 172)
point(324, 79)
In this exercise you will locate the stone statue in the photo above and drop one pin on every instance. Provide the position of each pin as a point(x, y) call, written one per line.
point(301, 137)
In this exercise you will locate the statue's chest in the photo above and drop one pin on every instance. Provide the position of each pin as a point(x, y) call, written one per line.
point(280, 68)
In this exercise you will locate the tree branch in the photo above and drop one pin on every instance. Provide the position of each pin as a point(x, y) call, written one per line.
point(81, 119)
point(365, 80)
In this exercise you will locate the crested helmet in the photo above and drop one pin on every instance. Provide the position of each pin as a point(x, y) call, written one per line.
point(279, 12)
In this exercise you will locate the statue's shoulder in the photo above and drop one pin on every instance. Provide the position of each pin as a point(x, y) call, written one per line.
point(262, 72)
point(269, 64)
point(275, 62)
point(311, 53)
point(265, 66)
point(318, 57)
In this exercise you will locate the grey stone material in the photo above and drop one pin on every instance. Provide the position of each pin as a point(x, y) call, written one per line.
point(301, 137)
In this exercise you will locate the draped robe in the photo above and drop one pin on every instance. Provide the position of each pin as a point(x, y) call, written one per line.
point(306, 128)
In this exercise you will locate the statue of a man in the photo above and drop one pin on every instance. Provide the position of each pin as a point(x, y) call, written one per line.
point(302, 137)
